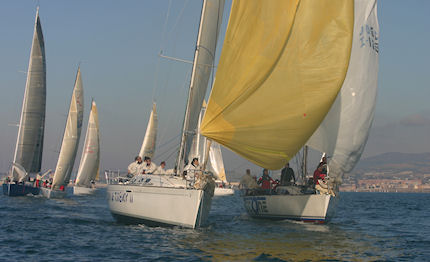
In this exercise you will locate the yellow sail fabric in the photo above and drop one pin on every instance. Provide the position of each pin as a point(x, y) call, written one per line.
point(281, 67)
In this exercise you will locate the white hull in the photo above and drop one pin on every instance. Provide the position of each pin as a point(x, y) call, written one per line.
point(220, 191)
point(49, 193)
point(78, 190)
point(304, 207)
point(159, 205)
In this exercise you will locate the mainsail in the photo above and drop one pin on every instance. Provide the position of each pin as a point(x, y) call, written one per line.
point(29, 144)
point(345, 129)
point(148, 144)
point(204, 56)
point(90, 160)
point(71, 136)
point(281, 67)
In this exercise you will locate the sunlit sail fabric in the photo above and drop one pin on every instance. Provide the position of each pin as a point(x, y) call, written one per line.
point(29, 145)
point(72, 133)
point(344, 131)
point(90, 160)
point(148, 144)
point(210, 24)
point(281, 67)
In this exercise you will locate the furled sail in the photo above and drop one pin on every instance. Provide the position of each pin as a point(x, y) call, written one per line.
point(148, 145)
point(71, 136)
point(344, 131)
point(29, 144)
point(90, 160)
point(204, 56)
point(281, 67)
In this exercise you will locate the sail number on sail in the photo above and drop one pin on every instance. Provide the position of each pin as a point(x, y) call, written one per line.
point(369, 36)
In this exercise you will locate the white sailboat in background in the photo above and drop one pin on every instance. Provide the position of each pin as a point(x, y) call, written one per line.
point(89, 166)
point(272, 92)
point(148, 144)
point(29, 144)
point(160, 199)
point(215, 163)
point(70, 143)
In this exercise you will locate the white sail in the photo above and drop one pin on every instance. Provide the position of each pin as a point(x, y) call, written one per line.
point(71, 136)
point(204, 56)
point(29, 144)
point(90, 160)
point(148, 145)
point(345, 129)
point(216, 161)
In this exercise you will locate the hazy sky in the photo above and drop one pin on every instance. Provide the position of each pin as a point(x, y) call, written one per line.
point(117, 44)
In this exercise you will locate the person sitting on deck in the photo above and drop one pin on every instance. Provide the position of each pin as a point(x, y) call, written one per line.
point(192, 169)
point(135, 167)
point(319, 179)
point(266, 181)
point(160, 169)
point(149, 167)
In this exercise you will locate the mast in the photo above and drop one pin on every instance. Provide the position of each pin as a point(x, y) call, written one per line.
point(202, 67)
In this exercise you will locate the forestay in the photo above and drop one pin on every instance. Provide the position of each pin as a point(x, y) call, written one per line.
point(29, 144)
point(281, 67)
point(89, 166)
point(344, 131)
point(71, 136)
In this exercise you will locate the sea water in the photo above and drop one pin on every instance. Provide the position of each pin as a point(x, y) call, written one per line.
point(366, 227)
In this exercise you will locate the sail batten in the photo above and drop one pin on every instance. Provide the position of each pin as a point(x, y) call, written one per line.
point(90, 160)
point(281, 67)
point(72, 133)
point(29, 145)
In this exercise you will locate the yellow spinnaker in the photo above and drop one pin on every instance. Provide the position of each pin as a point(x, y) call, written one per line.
point(281, 67)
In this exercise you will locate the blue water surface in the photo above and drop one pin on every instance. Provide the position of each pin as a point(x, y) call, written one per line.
point(366, 227)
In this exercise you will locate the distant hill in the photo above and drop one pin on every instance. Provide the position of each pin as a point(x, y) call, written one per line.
point(395, 162)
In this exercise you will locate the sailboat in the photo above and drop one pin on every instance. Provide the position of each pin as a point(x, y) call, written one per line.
point(170, 200)
point(89, 167)
point(148, 144)
point(288, 68)
point(69, 146)
point(29, 144)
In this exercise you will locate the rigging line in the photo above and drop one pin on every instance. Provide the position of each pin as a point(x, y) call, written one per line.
point(179, 17)
point(163, 39)
point(169, 141)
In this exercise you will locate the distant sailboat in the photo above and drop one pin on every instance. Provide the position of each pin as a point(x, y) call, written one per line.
point(89, 166)
point(29, 145)
point(160, 199)
point(69, 146)
point(148, 144)
point(272, 92)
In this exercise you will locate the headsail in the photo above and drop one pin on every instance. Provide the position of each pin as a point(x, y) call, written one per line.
point(71, 136)
point(148, 145)
point(90, 160)
point(281, 67)
point(204, 56)
point(344, 131)
point(29, 144)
